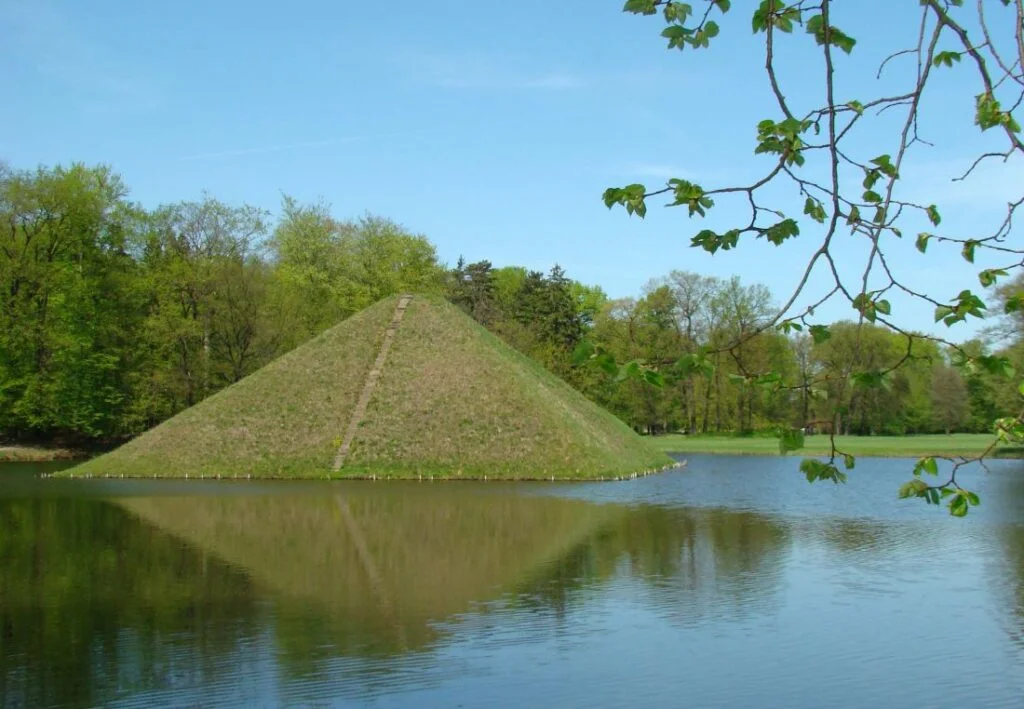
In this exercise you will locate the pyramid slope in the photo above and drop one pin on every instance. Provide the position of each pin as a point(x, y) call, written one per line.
point(451, 400)
point(491, 410)
point(282, 420)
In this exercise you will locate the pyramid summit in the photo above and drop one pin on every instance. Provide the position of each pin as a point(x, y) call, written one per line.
point(409, 387)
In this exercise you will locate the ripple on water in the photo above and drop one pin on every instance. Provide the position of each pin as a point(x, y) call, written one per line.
point(730, 583)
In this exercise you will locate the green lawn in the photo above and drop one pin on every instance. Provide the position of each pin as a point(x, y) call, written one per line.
point(885, 446)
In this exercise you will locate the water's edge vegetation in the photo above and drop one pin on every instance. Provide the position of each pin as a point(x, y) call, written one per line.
point(966, 445)
point(449, 399)
point(122, 316)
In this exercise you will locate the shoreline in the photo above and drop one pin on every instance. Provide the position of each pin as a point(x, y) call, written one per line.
point(676, 465)
point(1013, 454)
point(39, 454)
point(899, 447)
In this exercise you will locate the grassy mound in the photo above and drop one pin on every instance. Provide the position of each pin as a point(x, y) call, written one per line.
point(451, 401)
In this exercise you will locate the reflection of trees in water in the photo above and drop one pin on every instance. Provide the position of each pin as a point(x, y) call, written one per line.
point(1010, 576)
point(701, 562)
point(1007, 572)
point(90, 595)
point(91, 600)
point(372, 571)
point(855, 536)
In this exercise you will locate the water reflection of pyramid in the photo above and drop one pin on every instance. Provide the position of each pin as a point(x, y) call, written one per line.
point(384, 563)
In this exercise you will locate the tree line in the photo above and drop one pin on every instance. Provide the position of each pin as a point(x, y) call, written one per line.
point(714, 366)
point(114, 317)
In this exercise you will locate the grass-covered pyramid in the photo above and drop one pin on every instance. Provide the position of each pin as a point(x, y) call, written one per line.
point(391, 392)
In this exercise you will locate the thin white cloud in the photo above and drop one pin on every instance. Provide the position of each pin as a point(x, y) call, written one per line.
point(268, 149)
point(661, 171)
point(667, 171)
point(485, 73)
point(991, 185)
point(284, 147)
point(60, 53)
point(478, 79)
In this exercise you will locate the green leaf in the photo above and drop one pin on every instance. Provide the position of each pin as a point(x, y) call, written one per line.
point(958, 505)
point(968, 250)
point(641, 7)
point(777, 233)
point(816, 470)
point(583, 352)
point(997, 365)
point(815, 210)
point(690, 194)
point(926, 465)
point(836, 37)
point(1014, 303)
point(913, 488)
point(871, 380)
point(922, 241)
point(655, 379)
point(883, 307)
point(631, 197)
point(849, 461)
point(884, 163)
point(776, 14)
point(946, 58)
point(989, 276)
point(933, 215)
point(695, 364)
point(630, 370)
point(712, 242)
point(868, 307)
point(677, 11)
point(989, 114)
point(791, 439)
point(607, 363)
point(819, 333)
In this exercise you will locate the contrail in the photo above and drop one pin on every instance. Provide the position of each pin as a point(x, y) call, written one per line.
point(291, 146)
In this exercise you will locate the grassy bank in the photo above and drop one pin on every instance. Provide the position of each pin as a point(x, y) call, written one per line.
point(38, 454)
point(966, 444)
point(451, 400)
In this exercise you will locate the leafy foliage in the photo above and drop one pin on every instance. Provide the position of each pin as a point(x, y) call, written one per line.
point(821, 170)
point(114, 318)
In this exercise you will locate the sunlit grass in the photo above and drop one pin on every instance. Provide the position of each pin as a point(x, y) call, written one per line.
point(452, 401)
point(956, 444)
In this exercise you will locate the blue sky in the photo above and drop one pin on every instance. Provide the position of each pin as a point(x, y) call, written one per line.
point(492, 128)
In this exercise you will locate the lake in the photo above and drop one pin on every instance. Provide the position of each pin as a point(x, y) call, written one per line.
point(731, 582)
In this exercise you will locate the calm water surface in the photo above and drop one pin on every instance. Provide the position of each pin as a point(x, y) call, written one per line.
point(729, 583)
